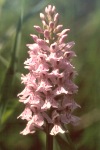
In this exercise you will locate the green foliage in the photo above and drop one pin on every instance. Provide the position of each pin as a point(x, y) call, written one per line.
point(17, 20)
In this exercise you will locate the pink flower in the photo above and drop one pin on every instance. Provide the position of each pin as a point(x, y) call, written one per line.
point(26, 114)
point(49, 87)
point(56, 129)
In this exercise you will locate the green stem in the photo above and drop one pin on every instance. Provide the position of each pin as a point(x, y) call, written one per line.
point(49, 138)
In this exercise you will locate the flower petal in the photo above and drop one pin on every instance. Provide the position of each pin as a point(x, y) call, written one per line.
point(56, 129)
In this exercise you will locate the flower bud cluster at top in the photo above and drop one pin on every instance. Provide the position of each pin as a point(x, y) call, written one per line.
point(49, 87)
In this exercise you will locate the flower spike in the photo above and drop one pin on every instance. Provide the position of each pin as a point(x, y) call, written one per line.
point(49, 87)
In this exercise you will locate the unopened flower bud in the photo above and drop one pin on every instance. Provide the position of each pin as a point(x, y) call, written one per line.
point(35, 37)
point(62, 39)
point(56, 18)
point(44, 23)
point(49, 9)
point(38, 29)
point(58, 28)
point(46, 10)
point(53, 9)
point(51, 25)
point(63, 32)
point(42, 16)
point(46, 34)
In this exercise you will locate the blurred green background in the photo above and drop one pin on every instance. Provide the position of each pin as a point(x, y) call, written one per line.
point(17, 18)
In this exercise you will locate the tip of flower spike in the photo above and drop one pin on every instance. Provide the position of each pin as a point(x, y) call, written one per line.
point(48, 9)
point(53, 9)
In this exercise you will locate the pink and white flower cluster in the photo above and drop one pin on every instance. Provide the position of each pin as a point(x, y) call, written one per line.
point(49, 87)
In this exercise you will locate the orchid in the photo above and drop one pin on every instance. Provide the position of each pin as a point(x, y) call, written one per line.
point(49, 88)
